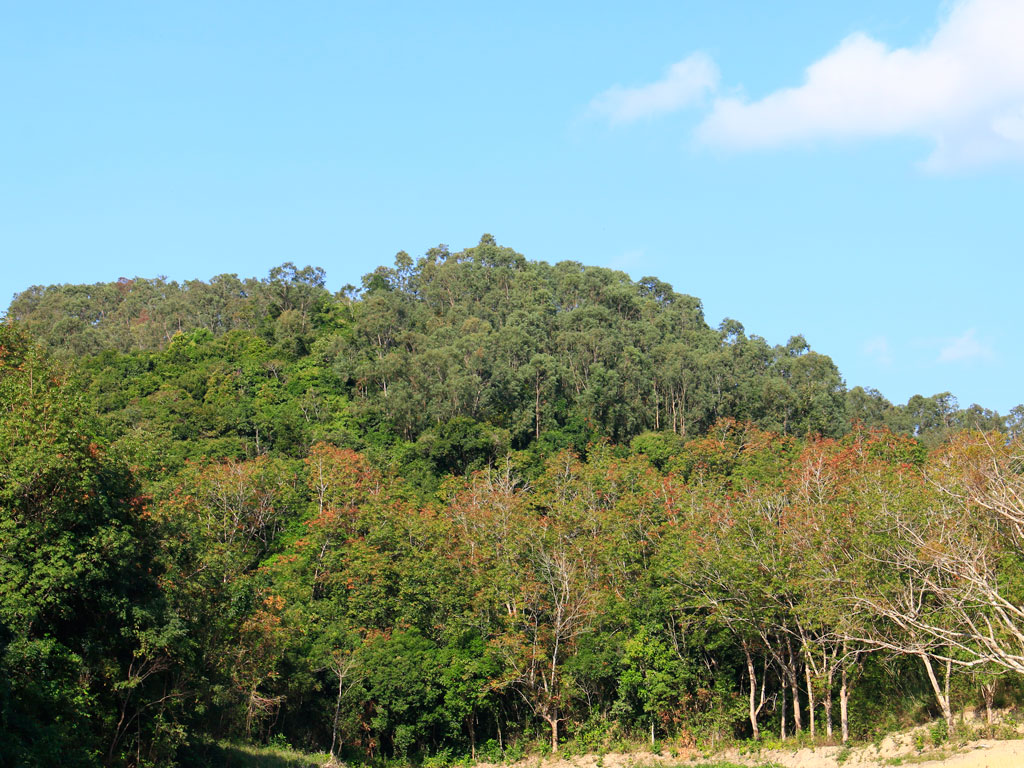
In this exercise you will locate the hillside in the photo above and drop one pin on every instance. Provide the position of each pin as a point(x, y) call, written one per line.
point(479, 509)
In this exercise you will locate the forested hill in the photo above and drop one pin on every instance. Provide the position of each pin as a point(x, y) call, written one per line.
point(464, 354)
point(477, 508)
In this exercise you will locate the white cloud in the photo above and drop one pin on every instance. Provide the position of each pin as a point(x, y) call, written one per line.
point(878, 348)
point(963, 89)
point(685, 83)
point(965, 348)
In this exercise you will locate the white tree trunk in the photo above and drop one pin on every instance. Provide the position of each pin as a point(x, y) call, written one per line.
point(941, 691)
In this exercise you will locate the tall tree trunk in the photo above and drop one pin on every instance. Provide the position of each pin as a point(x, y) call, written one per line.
point(536, 409)
point(682, 413)
point(949, 673)
point(782, 694)
point(753, 687)
point(988, 694)
point(941, 691)
point(657, 409)
point(810, 696)
point(337, 714)
point(844, 701)
point(794, 685)
point(828, 701)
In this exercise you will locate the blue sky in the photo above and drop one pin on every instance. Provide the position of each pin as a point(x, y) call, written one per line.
point(851, 171)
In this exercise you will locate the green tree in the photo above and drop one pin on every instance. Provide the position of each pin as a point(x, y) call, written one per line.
point(84, 646)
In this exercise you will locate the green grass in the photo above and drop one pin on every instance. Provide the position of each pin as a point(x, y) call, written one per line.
point(232, 755)
point(927, 757)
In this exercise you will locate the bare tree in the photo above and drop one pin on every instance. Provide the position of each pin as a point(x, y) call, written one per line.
point(954, 561)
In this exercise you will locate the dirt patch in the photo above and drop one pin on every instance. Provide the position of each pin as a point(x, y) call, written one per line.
point(897, 750)
point(892, 752)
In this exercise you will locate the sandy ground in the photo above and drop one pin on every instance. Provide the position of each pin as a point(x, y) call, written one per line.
point(976, 754)
point(1002, 754)
point(895, 750)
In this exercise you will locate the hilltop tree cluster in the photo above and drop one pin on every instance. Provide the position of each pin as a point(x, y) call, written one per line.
point(478, 506)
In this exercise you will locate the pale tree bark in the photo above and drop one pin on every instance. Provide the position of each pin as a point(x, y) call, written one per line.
point(782, 701)
point(753, 687)
point(952, 555)
point(810, 698)
point(794, 684)
point(844, 706)
point(828, 702)
point(848, 661)
point(821, 659)
point(988, 695)
point(941, 691)
point(554, 617)
point(553, 722)
point(342, 665)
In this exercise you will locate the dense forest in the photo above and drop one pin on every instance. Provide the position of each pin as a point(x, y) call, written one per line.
point(476, 507)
